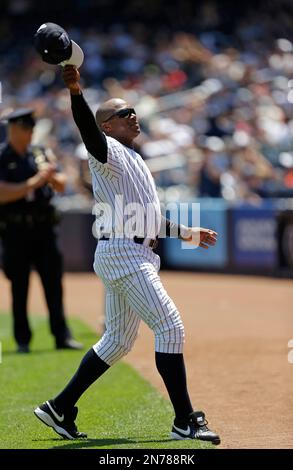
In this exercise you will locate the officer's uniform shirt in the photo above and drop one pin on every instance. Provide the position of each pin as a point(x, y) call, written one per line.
point(15, 168)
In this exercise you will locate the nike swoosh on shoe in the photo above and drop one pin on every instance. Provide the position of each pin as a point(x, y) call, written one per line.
point(185, 433)
point(59, 418)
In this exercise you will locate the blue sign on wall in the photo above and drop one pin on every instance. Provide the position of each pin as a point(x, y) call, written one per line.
point(254, 237)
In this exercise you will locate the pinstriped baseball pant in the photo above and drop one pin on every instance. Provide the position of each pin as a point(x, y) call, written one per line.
point(131, 298)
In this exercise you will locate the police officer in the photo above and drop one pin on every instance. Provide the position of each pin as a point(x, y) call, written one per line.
point(28, 178)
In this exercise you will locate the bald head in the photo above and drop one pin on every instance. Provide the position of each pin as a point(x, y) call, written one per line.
point(107, 109)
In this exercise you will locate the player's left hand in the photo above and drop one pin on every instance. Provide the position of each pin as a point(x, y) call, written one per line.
point(199, 236)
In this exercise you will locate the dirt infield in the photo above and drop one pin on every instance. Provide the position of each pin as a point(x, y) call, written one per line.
point(237, 333)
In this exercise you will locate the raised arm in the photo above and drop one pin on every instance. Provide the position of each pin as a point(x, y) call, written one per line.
point(93, 138)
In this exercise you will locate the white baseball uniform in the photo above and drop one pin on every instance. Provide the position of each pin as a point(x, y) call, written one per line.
point(129, 270)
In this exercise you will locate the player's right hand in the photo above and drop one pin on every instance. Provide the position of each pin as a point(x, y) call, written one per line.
point(71, 77)
point(198, 236)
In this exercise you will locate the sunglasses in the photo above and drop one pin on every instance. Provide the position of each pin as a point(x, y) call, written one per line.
point(123, 113)
point(27, 126)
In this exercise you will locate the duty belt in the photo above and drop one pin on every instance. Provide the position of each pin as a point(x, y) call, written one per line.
point(148, 242)
point(30, 219)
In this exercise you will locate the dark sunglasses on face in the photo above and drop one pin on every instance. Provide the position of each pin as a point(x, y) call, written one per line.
point(123, 113)
point(26, 127)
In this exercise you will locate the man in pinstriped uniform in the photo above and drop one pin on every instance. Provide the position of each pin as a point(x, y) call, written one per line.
point(128, 266)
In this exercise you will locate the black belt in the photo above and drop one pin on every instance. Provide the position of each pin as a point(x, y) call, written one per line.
point(151, 242)
point(50, 217)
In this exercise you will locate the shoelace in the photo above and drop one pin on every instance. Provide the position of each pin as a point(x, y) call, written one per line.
point(203, 425)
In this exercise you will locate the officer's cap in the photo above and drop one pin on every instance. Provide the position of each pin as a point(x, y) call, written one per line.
point(55, 46)
point(23, 117)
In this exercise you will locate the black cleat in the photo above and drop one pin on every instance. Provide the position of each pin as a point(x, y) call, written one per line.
point(196, 428)
point(69, 343)
point(63, 424)
point(23, 348)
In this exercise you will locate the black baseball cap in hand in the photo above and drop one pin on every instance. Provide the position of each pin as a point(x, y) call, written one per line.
point(55, 47)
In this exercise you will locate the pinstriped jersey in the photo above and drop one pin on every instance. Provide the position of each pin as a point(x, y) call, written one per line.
point(126, 185)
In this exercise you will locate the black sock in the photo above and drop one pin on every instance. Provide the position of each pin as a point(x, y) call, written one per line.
point(172, 370)
point(90, 369)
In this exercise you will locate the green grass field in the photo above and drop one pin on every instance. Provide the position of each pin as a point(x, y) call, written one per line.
point(120, 411)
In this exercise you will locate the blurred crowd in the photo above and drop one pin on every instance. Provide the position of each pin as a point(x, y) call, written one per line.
point(213, 91)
